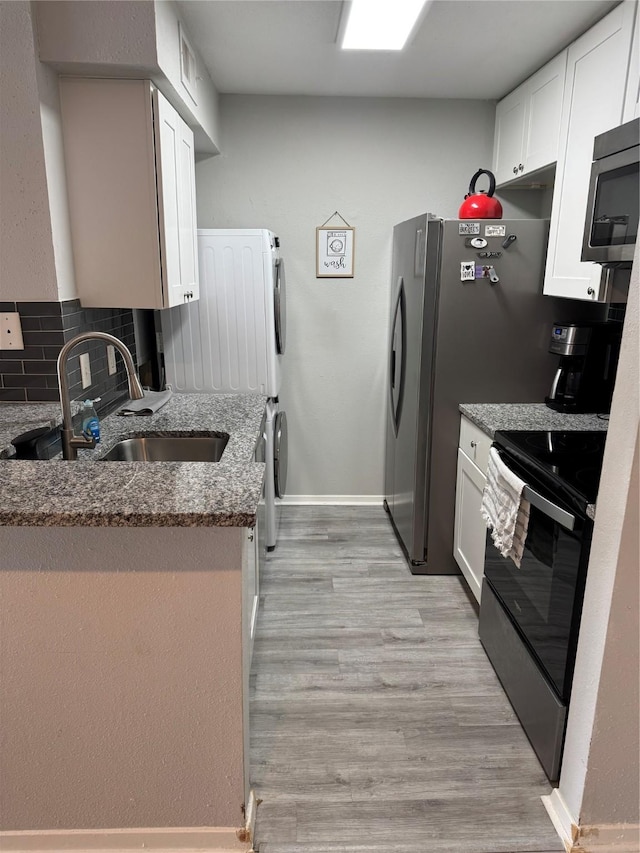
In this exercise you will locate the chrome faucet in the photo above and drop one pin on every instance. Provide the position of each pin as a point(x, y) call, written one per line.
point(71, 442)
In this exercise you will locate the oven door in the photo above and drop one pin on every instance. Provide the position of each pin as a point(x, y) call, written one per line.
point(543, 597)
point(611, 226)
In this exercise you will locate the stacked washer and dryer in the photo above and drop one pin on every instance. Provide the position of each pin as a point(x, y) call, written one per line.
point(232, 340)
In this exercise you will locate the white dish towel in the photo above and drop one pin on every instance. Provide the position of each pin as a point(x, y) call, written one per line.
point(504, 509)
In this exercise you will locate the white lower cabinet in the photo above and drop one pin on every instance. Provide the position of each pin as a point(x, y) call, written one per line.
point(470, 529)
point(251, 586)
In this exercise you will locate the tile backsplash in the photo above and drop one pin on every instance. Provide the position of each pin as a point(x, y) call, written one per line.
point(30, 375)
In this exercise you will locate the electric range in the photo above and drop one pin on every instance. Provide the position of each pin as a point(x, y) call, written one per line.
point(530, 615)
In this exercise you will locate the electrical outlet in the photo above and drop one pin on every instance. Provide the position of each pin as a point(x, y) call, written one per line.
point(85, 369)
point(10, 331)
point(111, 359)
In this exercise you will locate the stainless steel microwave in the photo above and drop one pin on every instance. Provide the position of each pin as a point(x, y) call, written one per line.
point(611, 225)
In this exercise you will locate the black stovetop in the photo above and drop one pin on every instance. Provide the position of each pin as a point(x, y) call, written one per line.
point(566, 462)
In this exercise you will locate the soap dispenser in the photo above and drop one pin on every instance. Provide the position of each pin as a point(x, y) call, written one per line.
point(90, 422)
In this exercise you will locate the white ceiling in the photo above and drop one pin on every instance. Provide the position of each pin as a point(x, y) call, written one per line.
point(462, 49)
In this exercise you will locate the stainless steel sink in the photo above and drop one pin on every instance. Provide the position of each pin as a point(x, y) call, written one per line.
point(168, 448)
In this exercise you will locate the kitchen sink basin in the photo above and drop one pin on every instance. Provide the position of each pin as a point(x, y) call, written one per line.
point(168, 448)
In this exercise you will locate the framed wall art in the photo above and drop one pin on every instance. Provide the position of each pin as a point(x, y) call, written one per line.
point(334, 249)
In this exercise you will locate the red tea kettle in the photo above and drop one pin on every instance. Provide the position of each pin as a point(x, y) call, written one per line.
point(481, 205)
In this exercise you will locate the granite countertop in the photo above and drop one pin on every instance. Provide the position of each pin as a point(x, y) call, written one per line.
point(16, 418)
point(491, 417)
point(137, 494)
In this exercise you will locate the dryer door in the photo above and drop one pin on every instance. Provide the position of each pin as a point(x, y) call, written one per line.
point(280, 454)
point(280, 307)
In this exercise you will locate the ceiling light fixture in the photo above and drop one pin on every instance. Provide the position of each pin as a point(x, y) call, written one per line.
point(380, 24)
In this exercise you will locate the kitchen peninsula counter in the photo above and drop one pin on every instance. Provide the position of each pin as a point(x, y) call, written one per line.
point(128, 594)
point(492, 417)
point(90, 493)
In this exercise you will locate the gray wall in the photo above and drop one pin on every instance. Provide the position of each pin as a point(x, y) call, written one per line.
point(287, 164)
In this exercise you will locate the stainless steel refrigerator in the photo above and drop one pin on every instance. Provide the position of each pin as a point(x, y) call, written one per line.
point(469, 324)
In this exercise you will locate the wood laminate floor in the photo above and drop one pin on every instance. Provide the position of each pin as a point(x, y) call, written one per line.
point(377, 722)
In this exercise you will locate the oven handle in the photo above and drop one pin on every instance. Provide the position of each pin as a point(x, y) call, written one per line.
point(555, 513)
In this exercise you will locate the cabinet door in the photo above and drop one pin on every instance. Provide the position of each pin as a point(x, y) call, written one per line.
point(250, 585)
point(470, 530)
point(528, 123)
point(544, 112)
point(176, 203)
point(475, 444)
point(632, 97)
point(111, 184)
point(187, 215)
point(594, 97)
point(509, 135)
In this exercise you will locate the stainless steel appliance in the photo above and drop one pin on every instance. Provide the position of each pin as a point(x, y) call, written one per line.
point(611, 226)
point(469, 325)
point(530, 616)
point(586, 372)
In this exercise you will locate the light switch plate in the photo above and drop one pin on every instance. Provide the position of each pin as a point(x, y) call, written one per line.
point(85, 369)
point(111, 359)
point(10, 331)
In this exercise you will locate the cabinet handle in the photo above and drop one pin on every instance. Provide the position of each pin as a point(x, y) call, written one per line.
point(474, 444)
point(188, 295)
point(515, 170)
point(250, 535)
point(591, 292)
point(520, 168)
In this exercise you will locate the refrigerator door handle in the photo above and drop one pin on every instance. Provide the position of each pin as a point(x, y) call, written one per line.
point(396, 384)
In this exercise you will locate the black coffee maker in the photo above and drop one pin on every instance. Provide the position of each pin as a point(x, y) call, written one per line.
point(586, 373)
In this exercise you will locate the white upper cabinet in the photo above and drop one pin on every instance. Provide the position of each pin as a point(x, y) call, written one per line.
point(528, 123)
point(595, 94)
point(175, 158)
point(132, 40)
point(508, 141)
point(632, 96)
point(129, 161)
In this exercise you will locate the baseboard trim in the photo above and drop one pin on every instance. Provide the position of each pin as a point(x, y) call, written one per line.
point(609, 838)
point(152, 840)
point(333, 500)
point(561, 818)
point(250, 819)
point(603, 838)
